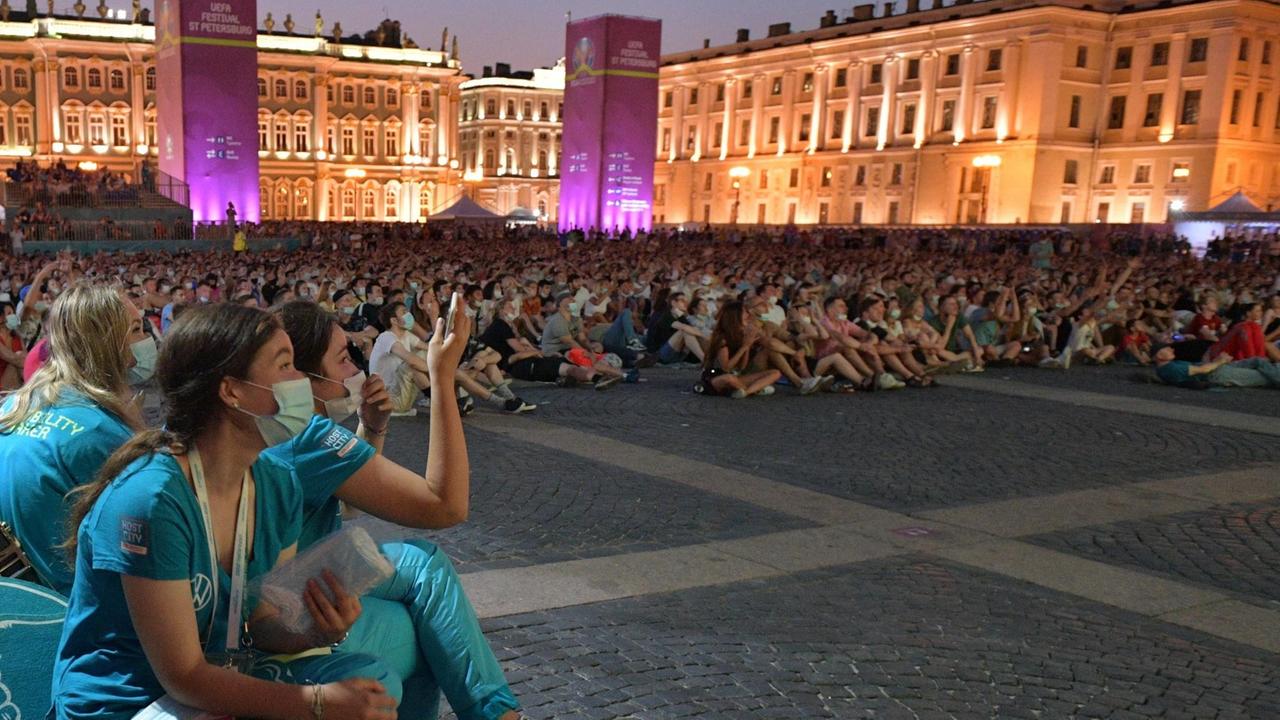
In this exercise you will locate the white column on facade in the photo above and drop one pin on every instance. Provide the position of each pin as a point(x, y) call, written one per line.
point(322, 197)
point(552, 150)
point(817, 120)
point(888, 103)
point(1136, 105)
point(1173, 87)
point(700, 124)
point(924, 108)
point(677, 122)
point(409, 121)
point(320, 111)
point(963, 121)
point(137, 104)
point(788, 111)
point(727, 134)
point(478, 162)
point(853, 106)
point(444, 121)
point(1007, 111)
point(757, 113)
point(48, 107)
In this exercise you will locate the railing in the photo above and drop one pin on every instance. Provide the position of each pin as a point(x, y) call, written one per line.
point(75, 231)
point(170, 187)
point(73, 196)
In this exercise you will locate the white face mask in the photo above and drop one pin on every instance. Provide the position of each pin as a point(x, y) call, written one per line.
point(144, 355)
point(342, 408)
point(295, 404)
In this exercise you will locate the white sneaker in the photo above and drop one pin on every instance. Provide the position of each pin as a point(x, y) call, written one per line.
point(738, 394)
point(767, 390)
point(888, 382)
point(810, 385)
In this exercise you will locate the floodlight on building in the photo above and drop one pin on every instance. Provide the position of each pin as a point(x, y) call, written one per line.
point(987, 161)
point(142, 148)
point(354, 172)
point(322, 155)
point(1178, 205)
point(1182, 172)
point(88, 165)
point(739, 171)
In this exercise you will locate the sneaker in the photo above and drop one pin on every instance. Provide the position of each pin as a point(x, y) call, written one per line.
point(971, 368)
point(632, 376)
point(810, 385)
point(887, 381)
point(606, 383)
point(825, 382)
point(466, 405)
point(516, 405)
point(567, 381)
point(767, 391)
point(738, 394)
point(646, 360)
point(1051, 363)
point(411, 412)
point(637, 345)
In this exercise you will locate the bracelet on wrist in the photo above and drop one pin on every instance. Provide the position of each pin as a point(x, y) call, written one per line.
point(372, 431)
point(317, 702)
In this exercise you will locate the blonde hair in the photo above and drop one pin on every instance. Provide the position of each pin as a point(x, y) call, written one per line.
point(88, 328)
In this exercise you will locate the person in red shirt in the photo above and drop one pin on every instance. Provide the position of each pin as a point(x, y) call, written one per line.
point(1245, 339)
point(1135, 346)
point(1201, 333)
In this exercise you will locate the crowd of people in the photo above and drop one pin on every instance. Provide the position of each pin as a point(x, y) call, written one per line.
point(259, 356)
point(59, 183)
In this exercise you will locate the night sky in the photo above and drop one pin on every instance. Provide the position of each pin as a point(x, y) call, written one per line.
point(530, 33)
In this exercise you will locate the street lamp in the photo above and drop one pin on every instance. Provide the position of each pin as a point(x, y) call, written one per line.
point(985, 164)
point(737, 172)
point(472, 178)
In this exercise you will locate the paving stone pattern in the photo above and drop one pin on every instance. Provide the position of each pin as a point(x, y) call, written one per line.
point(1234, 548)
point(896, 638)
point(533, 505)
point(905, 450)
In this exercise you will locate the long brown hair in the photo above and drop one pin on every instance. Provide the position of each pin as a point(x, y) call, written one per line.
point(727, 334)
point(205, 345)
point(88, 331)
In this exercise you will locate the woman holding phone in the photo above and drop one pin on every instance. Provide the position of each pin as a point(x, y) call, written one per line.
point(174, 526)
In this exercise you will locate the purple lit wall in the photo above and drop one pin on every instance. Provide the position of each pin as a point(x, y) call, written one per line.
point(207, 100)
point(610, 122)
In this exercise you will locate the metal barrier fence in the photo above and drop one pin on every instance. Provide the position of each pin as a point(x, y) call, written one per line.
point(86, 231)
point(92, 196)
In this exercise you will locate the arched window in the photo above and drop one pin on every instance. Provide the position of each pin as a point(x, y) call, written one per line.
point(491, 107)
point(282, 89)
point(93, 79)
point(542, 112)
point(424, 201)
point(528, 109)
point(511, 108)
point(262, 87)
point(151, 78)
point(392, 196)
point(282, 201)
point(369, 203)
point(542, 160)
point(302, 201)
point(300, 90)
point(489, 159)
point(117, 80)
point(349, 203)
point(71, 77)
point(20, 79)
point(542, 209)
point(264, 198)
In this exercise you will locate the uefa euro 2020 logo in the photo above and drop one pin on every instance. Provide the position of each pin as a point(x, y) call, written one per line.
point(584, 55)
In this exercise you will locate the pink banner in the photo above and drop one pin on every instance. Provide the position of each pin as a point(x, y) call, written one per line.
point(207, 102)
point(610, 122)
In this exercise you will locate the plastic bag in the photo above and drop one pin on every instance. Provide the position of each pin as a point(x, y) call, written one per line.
point(350, 554)
point(166, 708)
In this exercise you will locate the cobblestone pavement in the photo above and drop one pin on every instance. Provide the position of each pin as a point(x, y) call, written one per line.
point(909, 449)
point(1235, 548)
point(898, 638)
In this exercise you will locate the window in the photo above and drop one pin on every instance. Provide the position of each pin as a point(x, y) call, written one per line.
point(706, 183)
point(791, 213)
point(823, 212)
point(1064, 216)
point(666, 139)
point(370, 95)
point(873, 122)
point(262, 87)
point(760, 213)
point(1115, 116)
point(264, 130)
point(826, 177)
point(20, 79)
point(953, 64)
point(1142, 174)
point(543, 112)
point(667, 99)
point(71, 77)
point(369, 141)
point(93, 79)
point(795, 178)
point(807, 84)
point(773, 129)
point(1070, 170)
point(348, 141)
point(1073, 118)
point(1199, 50)
point(908, 118)
point(393, 97)
point(391, 142)
point(842, 77)
point(764, 179)
point(1180, 172)
point(1257, 109)
point(300, 90)
point(1104, 212)
point(328, 94)
point(913, 69)
point(369, 202)
point(837, 124)
point(989, 104)
point(1108, 175)
point(282, 89)
point(747, 89)
point(22, 135)
point(116, 78)
point(1124, 58)
point(1242, 53)
point(860, 176)
point(1160, 54)
point(301, 130)
point(715, 136)
point(1137, 213)
point(857, 213)
point(330, 137)
point(744, 133)
point(777, 86)
point(1235, 107)
point(1151, 117)
point(948, 114)
point(120, 130)
point(995, 58)
point(348, 95)
point(1082, 57)
point(282, 136)
point(1266, 52)
point(491, 107)
point(97, 130)
point(893, 213)
point(877, 73)
point(1277, 123)
point(511, 105)
point(1190, 108)
point(895, 174)
point(806, 120)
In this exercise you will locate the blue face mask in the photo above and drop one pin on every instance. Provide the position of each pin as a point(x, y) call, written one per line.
point(144, 355)
point(12, 321)
point(408, 321)
point(295, 408)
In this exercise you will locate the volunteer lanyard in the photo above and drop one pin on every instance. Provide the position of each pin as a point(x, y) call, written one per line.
point(238, 565)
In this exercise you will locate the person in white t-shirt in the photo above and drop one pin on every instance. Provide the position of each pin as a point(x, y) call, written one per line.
point(396, 359)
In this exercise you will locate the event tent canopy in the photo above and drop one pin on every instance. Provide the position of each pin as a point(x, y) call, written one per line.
point(467, 210)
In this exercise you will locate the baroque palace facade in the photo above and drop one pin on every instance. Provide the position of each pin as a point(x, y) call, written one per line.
point(1040, 111)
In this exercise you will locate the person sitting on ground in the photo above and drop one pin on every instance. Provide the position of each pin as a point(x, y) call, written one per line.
point(779, 350)
point(958, 337)
point(728, 354)
point(1223, 371)
point(996, 311)
point(1246, 339)
point(563, 335)
point(524, 361)
point(1085, 342)
point(1135, 346)
point(897, 354)
point(808, 334)
point(855, 344)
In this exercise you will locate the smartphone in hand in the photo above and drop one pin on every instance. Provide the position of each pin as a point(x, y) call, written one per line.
point(453, 308)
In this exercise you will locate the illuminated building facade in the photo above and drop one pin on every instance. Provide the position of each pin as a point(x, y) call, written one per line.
point(356, 128)
point(509, 136)
point(1000, 111)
